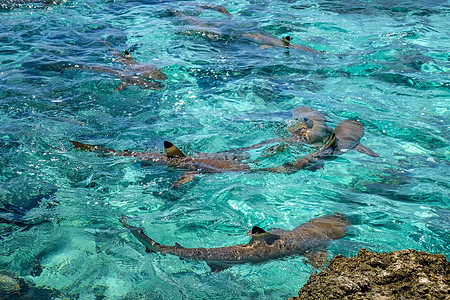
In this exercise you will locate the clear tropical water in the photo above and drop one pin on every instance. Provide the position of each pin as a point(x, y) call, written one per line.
point(60, 206)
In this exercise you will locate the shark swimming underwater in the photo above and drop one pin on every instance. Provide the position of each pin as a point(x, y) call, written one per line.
point(133, 73)
point(267, 41)
point(308, 126)
point(213, 32)
point(174, 157)
point(264, 245)
point(346, 136)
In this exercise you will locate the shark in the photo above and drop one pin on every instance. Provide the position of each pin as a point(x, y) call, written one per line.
point(346, 136)
point(174, 157)
point(308, 126)
point(211, 32)
point(133, 73)
point(268, 41)
point(263, 245)
point(219, 8)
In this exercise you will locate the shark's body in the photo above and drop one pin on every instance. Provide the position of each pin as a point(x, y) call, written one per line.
point(267, 41)
point(263, 246)
point(213, 33)
point(204, 163)
point(309, 126)
point(133, 73)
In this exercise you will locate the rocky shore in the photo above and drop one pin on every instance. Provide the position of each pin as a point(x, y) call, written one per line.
point(405, 274)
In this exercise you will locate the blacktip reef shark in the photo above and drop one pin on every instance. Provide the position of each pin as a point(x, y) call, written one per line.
point(198, 27)
point(309, 126)
point(134, 73)
point(267, 41)
point(264, 245)
point(346, 136)
point(204, 163)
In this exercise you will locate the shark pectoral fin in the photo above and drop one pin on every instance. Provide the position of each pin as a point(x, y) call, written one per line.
point(271, 151)
point(86, 147)
point(216, 268)
point(366, 150)
point(318, 259)
point(264, 47)
point(121, 86)
point(172, 151)
point(186, 177)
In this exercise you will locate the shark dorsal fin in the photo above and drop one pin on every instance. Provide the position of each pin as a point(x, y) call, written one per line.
point(257, 230)
point(263, 237)
point(172, 151)
point(286, 41)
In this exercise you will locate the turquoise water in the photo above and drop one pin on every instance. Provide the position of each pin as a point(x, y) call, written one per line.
point(59, 206)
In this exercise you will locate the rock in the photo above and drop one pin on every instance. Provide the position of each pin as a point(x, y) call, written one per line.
point(405, 274)
point(14, 287)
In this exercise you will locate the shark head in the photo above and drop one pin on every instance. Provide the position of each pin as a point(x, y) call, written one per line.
point(301, 124)
point(332, 226)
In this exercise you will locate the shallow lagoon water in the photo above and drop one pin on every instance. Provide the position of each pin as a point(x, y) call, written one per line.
point(60, 206)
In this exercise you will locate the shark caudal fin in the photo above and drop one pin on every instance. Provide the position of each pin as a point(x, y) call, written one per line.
point(366, 150)
point(150, 245)
point(86, 147)
point(172, 151)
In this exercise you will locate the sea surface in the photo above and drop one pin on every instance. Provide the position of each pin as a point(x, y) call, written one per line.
point(384, 63)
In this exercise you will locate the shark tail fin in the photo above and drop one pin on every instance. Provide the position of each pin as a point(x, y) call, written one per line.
point(172, 151)
point(86, 147)
point(150, 245)
point(366, 150)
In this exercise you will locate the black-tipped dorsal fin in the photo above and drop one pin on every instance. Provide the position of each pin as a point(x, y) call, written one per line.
point(172, 151)
point(286, 41)
point(257, 230)
point(265, 237)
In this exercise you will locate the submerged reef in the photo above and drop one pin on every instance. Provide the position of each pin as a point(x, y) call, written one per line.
point(13, 287)
point(405, 274)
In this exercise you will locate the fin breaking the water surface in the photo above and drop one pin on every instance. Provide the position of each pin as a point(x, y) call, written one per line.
point(172, 151)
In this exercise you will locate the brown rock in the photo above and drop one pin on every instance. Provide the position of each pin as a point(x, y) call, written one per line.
point(405, 274)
